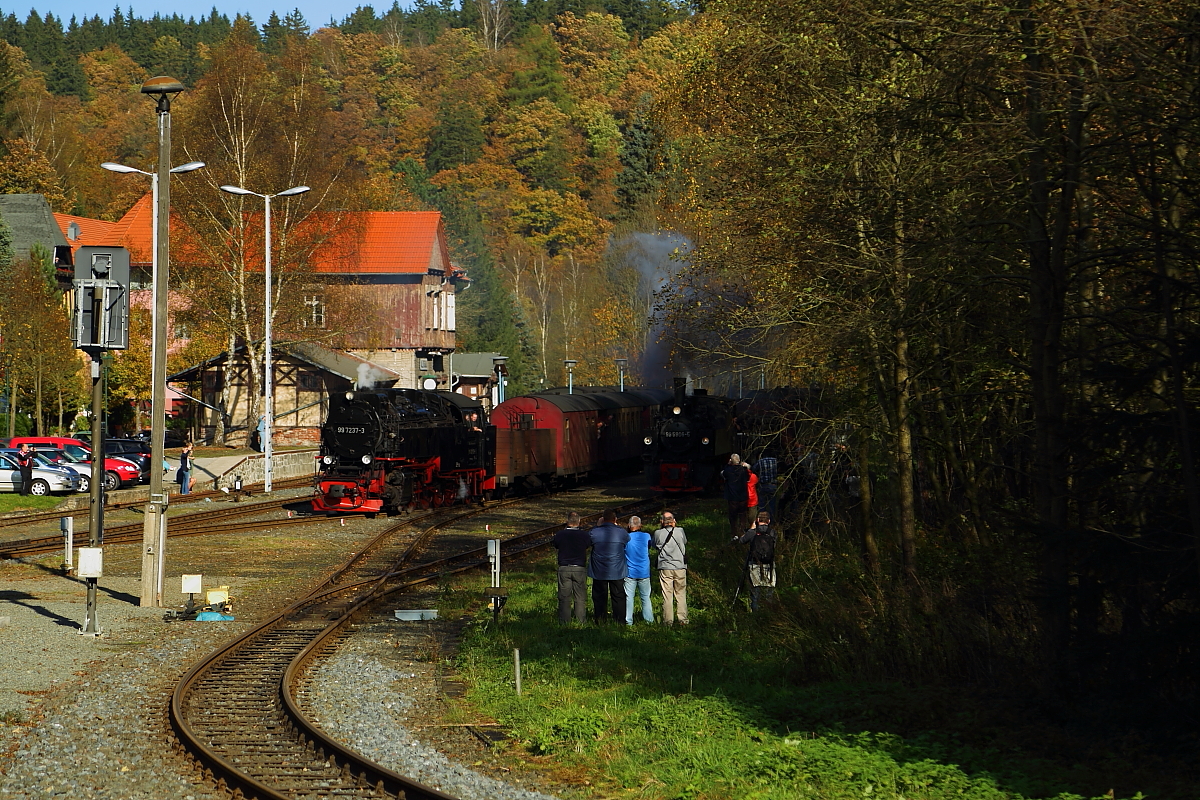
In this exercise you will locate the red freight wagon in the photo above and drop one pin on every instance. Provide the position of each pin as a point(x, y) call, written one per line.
point(554, 437)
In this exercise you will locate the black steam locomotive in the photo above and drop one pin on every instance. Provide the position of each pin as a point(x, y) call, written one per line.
point(396, 447)
point(691, 441)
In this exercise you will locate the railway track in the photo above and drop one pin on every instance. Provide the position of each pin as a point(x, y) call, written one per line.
point(34, 517)
point(196, 524)
point(238, 714)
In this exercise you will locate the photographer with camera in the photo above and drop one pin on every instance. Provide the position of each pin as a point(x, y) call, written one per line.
point(760, 560)
point(671, 543)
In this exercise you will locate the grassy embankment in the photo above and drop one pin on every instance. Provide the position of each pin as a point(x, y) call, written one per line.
point(720, 710)
point(10, 502)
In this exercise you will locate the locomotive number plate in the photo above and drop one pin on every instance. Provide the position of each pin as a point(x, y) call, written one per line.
point(351, 429)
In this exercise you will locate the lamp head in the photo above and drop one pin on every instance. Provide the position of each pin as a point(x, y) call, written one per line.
point(162, 85)
point(188, 167)
point(292, 191)
point(114, 167)
point(236, 190)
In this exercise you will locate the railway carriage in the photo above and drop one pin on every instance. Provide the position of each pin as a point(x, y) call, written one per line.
point(555, 437)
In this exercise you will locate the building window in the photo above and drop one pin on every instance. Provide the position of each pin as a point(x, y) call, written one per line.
point(182, 330)
point(214, 381)
point(450, 312)
point(310, 382)
point(314, 311)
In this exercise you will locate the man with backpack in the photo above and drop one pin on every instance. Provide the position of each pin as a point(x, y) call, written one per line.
point(760, 560)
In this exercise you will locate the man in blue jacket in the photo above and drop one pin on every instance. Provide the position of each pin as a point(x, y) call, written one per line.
point(637, 557)
point(607, 568)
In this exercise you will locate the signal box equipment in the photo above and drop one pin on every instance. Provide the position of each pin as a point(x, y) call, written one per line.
point(101, 318)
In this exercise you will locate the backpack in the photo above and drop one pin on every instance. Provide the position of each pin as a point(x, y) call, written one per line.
point(762, 548)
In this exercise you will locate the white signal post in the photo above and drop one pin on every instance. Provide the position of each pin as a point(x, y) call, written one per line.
point(268, 395)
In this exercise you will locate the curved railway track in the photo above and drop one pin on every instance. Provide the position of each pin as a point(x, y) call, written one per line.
point(237, 713)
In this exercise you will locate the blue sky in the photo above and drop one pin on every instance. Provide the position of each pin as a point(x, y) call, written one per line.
point(317, 13)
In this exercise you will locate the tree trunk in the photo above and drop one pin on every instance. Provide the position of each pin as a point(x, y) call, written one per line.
point(870, 550)
point(1047, 233)
point(904, 458)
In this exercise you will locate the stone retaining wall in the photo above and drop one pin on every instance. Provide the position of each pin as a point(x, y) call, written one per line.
point(292, 464)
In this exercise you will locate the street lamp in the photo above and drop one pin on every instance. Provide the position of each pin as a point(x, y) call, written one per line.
point(621, 364)
point(500, 362)
point(154, 530)
point(190, 166)
point(269, 415)
point(158, 367)
point(570, 365)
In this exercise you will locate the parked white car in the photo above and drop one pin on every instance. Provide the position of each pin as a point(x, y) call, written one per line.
point(47, 480)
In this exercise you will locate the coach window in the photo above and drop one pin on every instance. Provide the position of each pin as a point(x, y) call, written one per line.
point(567, 430)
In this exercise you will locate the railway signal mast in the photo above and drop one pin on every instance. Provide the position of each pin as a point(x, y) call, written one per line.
point(100, 323)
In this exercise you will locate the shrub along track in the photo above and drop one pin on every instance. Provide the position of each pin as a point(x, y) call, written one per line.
point(237, 714)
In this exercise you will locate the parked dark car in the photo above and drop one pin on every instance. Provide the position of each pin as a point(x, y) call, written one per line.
point(134, 450)
point(173, 438)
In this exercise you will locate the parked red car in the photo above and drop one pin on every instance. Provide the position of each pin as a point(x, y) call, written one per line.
point(118, 472)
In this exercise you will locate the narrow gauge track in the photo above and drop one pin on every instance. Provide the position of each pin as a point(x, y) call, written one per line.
point(183, 525)
point(33, 517)
point(238, 715)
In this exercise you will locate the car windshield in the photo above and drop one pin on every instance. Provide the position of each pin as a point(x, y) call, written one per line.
point(71, 458)
point(44, 460)
point(81, 453)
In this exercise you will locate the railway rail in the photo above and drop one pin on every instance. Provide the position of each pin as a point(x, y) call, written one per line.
point(33, 517)
point(195, 524)
point(238, 713)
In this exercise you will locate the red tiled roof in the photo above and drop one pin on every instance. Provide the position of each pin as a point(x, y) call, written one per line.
point(91, 231)
point(366, 242)
point(385, 242)
point(134, 231)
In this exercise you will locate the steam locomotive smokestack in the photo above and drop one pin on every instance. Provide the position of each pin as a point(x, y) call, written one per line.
point(680, 390)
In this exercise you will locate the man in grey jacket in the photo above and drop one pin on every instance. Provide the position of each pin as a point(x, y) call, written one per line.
point(671, 543)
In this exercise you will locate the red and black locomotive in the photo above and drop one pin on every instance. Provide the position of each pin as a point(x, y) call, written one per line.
point(690, 441)
point(394, 448)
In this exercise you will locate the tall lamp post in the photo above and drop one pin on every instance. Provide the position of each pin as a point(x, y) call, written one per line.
point(154, 531)
point(570, 365)
point(621, 364)
point(269, 410)
point(158, 408)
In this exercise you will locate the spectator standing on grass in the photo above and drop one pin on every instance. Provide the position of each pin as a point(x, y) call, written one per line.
point(637, 559)
point(25, 465)
point(760, 560)
point(671, 543)
point(607, 568)
point(186, 481)
point(572, 543)
point(736, 478)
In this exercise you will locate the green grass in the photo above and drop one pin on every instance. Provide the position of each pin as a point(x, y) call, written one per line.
point(718, 710)
point(10, 502)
